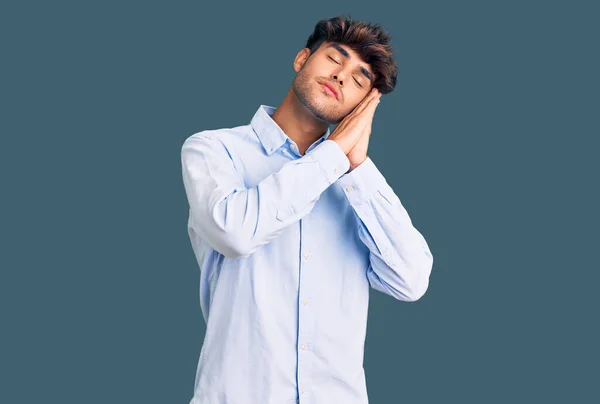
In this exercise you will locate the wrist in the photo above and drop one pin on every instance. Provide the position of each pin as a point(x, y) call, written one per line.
point(353, 166)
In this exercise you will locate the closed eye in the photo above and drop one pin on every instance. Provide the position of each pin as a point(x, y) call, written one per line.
point(356, 81)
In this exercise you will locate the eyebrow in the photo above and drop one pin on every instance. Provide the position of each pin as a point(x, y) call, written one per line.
point(347, 56)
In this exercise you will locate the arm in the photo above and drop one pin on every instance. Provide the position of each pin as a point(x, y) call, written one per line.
point(235, 220)
point(400, 259)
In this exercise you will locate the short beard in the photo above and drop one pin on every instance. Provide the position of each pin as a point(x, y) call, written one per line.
point(301, 86)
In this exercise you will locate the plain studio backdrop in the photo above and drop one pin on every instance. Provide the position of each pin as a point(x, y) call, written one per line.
point(490, 140)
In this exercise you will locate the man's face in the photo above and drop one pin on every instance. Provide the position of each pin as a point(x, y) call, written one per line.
point(351, 81)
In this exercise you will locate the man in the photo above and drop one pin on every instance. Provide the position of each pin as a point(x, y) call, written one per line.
point(291, 223)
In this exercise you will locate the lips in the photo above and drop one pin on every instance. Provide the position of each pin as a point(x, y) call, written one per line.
point(330, 87)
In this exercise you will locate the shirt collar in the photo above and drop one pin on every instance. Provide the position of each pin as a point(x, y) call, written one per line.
point(268, 131)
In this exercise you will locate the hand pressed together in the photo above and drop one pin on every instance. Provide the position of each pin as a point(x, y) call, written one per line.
point(353, 132)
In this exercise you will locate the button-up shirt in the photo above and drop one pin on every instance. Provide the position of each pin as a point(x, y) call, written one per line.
point(288, 246)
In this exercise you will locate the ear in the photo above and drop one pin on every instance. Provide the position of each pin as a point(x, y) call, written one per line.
point(301, 58)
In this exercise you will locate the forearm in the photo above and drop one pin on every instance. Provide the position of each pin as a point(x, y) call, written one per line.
point(236, 220)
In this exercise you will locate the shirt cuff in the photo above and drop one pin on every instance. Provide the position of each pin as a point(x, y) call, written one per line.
point(363, 182)
point(332, 159)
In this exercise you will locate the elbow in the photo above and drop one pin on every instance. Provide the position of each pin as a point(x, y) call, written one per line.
point(232, 246)
point(407, 285)
point(423, 284)
point(417, 293)
point(227, 243)
point(413, 294)
point(417, 284)
point(408, 294)
point(232, 250)
point(237, 249)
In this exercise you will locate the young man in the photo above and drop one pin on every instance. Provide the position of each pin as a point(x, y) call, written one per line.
point(291, 224)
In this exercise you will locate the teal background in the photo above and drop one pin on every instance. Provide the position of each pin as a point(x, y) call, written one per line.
point(489, 140)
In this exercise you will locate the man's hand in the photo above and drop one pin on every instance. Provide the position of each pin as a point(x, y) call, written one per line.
point(358, 154)
point(356, 125)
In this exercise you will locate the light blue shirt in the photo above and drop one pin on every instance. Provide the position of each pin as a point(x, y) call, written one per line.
point(287, 246)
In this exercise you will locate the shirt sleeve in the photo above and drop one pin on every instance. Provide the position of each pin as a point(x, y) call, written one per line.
point(236, 220)
point(400, 259)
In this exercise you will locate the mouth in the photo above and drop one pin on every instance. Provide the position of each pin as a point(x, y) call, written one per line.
point(329, 90)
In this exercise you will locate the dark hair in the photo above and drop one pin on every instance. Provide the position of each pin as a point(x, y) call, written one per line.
point(370, 41)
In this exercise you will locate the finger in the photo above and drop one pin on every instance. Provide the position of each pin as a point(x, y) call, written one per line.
point(373, 95)
point(365, 102)
point(369, 109)
point(376, 103)
point(370, 112)
point(359, 109)
point(366, 118)
point(376, 100)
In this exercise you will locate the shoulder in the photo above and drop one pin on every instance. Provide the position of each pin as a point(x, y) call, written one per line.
point(231, 144)
point(237, 134)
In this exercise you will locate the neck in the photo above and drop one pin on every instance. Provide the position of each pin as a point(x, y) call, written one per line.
point(298, 123)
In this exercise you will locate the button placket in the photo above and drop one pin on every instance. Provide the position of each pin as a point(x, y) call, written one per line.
point(307, 255)
point(306, 313)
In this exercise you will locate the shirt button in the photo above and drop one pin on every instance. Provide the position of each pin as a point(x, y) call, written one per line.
point(307, 255)
point(302, 390)
point(294, 146)
point(336, 170)
point(305, 302)
point(349, 188)
point(304, 346)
